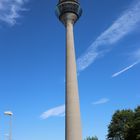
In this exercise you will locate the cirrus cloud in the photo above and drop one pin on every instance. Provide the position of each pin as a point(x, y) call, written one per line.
point(10, 10)
point(56, 111)
point(121, 27)
point(135, 56)
point(101, 101)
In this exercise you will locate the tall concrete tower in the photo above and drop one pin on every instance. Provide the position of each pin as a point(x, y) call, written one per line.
point(68, 12)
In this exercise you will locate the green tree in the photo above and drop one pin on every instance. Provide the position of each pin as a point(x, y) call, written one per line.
point(121, 122)
point(134, 131)
point(137, 123)
point(91, 138)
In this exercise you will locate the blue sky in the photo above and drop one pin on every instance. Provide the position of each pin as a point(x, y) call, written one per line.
point(32, 66)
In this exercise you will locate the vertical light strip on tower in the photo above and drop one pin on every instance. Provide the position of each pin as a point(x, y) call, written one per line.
point(69, 11)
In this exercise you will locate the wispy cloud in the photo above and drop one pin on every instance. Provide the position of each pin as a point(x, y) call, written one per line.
point(57, 112)
point(125, 69)
point(125, 24)
point(10, 10)
point(101, 101)
point(136, 57)
point(6, 134)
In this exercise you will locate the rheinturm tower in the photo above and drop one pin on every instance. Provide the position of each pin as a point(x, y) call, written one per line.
point(68, 12)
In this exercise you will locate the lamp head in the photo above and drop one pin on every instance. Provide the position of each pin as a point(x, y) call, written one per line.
point(8, 113)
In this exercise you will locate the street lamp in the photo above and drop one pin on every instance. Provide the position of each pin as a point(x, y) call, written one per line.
point(10, 114)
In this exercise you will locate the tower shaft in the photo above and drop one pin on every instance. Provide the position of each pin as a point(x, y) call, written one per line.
point(68, 12)
point(73, 122)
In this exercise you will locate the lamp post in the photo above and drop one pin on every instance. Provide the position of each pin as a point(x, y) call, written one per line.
point(10, 114)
